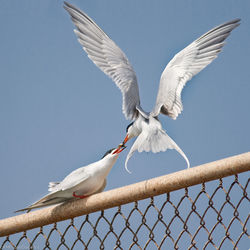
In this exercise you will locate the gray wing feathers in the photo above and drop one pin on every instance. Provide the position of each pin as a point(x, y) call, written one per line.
point(72, 180)
point(58, 189)
point(108, 57)
point(187, 63)
point(50, 199)
point(156, 141)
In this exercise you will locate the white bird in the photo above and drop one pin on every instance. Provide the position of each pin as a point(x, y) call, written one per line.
point(114, 63)
point(80, 183)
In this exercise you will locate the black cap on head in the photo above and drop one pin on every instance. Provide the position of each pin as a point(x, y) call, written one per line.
point(108, 152)
point(129, 126)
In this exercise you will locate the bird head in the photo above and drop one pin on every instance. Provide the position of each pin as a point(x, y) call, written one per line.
point(114, 151)
point(128, 133)
point(131, 131)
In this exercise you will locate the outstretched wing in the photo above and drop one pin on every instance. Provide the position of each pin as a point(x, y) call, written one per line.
point(108, 57)
point(187, 63)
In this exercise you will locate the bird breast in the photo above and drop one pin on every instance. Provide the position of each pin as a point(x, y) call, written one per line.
point(90, 186)
point(150, 124)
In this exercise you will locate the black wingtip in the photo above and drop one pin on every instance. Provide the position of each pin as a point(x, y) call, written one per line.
point(20, 210)
point(237, 22)
point(66, 3)
point(23, 210)
point(67, 6)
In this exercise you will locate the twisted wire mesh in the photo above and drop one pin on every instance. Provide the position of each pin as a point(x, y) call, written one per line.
point(211, 215)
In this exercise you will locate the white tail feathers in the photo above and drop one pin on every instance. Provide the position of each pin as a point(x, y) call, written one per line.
point(155, 140)
point(52, 186)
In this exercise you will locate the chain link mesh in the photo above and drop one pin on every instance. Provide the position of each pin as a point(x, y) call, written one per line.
point(211, 215)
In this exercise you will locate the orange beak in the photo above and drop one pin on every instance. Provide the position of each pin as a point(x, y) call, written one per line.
point(125, 140)
point(119, 149)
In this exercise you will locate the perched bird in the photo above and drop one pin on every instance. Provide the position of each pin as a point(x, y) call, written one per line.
point(81, 183)
point(114, 63)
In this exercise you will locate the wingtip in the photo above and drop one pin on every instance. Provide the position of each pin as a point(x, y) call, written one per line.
point(66, 3)
point(67, 6)
point(22, 210)
point(233, 21)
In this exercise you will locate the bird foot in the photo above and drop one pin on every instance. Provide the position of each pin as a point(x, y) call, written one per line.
point(79, 196)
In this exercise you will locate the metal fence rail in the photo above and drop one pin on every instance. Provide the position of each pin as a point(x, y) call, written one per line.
point(168, 212)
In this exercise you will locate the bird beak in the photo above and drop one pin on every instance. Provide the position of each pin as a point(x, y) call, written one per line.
point(119, 149)
point(125, 140)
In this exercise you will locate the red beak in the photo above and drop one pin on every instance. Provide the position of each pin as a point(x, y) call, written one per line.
point(119, 149)
point(126, 139)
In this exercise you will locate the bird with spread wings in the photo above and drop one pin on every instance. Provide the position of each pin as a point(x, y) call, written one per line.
point(114, 63)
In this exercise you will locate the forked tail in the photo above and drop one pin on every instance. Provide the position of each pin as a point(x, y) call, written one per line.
point(155, 140)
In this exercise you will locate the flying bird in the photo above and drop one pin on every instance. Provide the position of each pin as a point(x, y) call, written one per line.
point(80, 183)
point(114, 63)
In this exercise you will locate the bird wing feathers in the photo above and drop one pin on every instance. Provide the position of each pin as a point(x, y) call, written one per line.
point(187, 63)
point(72, 180)
point(57, 190)
point(47, 200)
point(108, 57)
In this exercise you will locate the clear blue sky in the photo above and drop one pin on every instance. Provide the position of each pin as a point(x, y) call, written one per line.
point(58, 111)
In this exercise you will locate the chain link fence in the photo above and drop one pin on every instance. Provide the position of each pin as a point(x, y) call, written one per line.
point(210, 215)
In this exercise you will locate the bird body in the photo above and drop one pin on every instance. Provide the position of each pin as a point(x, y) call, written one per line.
point(114, 63)
point(80, 183)
point(150, 137)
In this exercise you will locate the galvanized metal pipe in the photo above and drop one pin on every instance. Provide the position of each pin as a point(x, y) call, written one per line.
point(145, 189)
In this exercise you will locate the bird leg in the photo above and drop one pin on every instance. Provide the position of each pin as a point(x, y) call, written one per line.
point(79, 196)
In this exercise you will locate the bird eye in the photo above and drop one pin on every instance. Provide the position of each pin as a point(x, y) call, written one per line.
point(108, 152)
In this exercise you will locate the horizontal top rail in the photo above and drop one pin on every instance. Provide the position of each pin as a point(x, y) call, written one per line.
point(119, 196)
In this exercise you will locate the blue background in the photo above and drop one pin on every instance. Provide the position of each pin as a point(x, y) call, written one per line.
point(58, 111)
